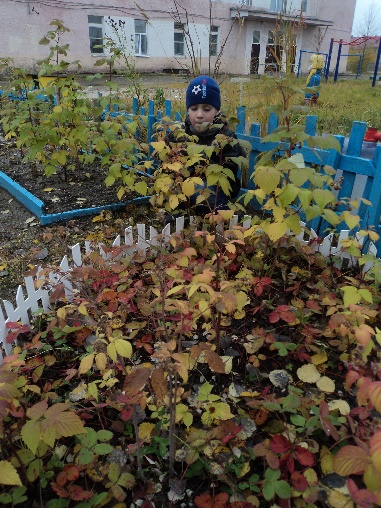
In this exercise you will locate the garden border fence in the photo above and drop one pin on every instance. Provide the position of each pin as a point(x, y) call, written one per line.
point(38, 291)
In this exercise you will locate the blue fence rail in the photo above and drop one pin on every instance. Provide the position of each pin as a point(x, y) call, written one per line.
point(358, 164)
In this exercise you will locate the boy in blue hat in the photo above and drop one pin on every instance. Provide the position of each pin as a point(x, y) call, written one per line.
point(204, 120)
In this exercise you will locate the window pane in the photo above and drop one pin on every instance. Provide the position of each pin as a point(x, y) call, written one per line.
point(137, 43)
point(179, 48)
point(95, 19)
point(256, 36)
point(179, 26)
point(140, 26)
point(95, 32)
point(94, 43)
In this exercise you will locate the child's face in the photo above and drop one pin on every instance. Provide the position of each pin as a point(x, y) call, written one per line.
point(200, 114)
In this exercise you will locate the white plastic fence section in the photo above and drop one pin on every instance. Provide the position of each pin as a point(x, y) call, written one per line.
point(38, 293)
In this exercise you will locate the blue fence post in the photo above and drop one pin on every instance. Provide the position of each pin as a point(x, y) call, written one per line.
point(241, 115)
point(311, 122)
point(150, 123)
point(272, 123)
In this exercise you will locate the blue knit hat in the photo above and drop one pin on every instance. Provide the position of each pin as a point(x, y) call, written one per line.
point(203, 90)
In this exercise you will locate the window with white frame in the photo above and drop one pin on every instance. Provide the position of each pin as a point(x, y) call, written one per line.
point(246, 2)
point(213, 40)
point(95, 34)
point(140, 37)
point(256, 36)
point(179, 39)
point(278, 5)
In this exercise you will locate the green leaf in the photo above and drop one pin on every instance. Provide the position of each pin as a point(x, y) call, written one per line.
point(268, 491)
point(283, 489)
point(104, 435)
point(86, 456)
point(103, 449)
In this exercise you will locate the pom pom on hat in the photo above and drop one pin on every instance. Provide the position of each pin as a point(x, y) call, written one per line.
point(203, 90)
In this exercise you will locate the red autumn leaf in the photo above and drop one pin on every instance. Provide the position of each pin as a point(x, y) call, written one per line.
point(287, 316)
point(311, 304)
point(304, 456)
point(127, 413)
point(207, 501)
point(78, 494)
point(350, 378)
point(61, 492)
point(279, 444)
point(299, 482)
point(287, 463)
point(69, 473)
point(362, 497)
point(274, 317)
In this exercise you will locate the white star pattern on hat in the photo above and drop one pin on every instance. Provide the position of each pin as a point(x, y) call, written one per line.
point(196, 89)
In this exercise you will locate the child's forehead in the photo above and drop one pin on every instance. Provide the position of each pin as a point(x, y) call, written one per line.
point(202, 105)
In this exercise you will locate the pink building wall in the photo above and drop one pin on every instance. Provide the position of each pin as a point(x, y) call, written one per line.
point(25, 23)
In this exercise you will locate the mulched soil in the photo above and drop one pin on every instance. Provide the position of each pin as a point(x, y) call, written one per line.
point(24, 242)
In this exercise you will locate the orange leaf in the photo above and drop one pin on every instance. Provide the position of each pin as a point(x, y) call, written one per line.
point(375, 450)
point(215, 362)
point(350, 460)
point(207, 501)
point(374, 391)
point(136, 380)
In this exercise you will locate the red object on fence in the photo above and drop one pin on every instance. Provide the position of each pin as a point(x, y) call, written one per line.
point(372, 135)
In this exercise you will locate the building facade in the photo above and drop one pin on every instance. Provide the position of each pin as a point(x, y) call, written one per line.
point(176, 35)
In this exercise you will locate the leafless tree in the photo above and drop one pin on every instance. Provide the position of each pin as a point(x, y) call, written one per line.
point(368, 25)
point(370, 22)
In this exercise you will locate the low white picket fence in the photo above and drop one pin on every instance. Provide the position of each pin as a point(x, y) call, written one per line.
point(38, 297)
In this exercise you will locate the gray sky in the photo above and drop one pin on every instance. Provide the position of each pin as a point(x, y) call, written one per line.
point(361, 9)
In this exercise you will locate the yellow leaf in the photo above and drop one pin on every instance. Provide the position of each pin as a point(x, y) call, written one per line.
point(341, 405)
point(123, 348)
point(308, 373)
point(267, 178)
point(351, 220)
point(319, 358)
point(82, 310)
point(141, 188)
point(48, 189)
point(173, 201)
point(188, 188)
point(339, 500)
point(275, 230)
point(101, 361)
point(326, 460)
point(145, 431)
point(86, 364)
point(61, 313)
point(244, 469)
point(158, 145)
point(8, 474)
point(325, 384)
